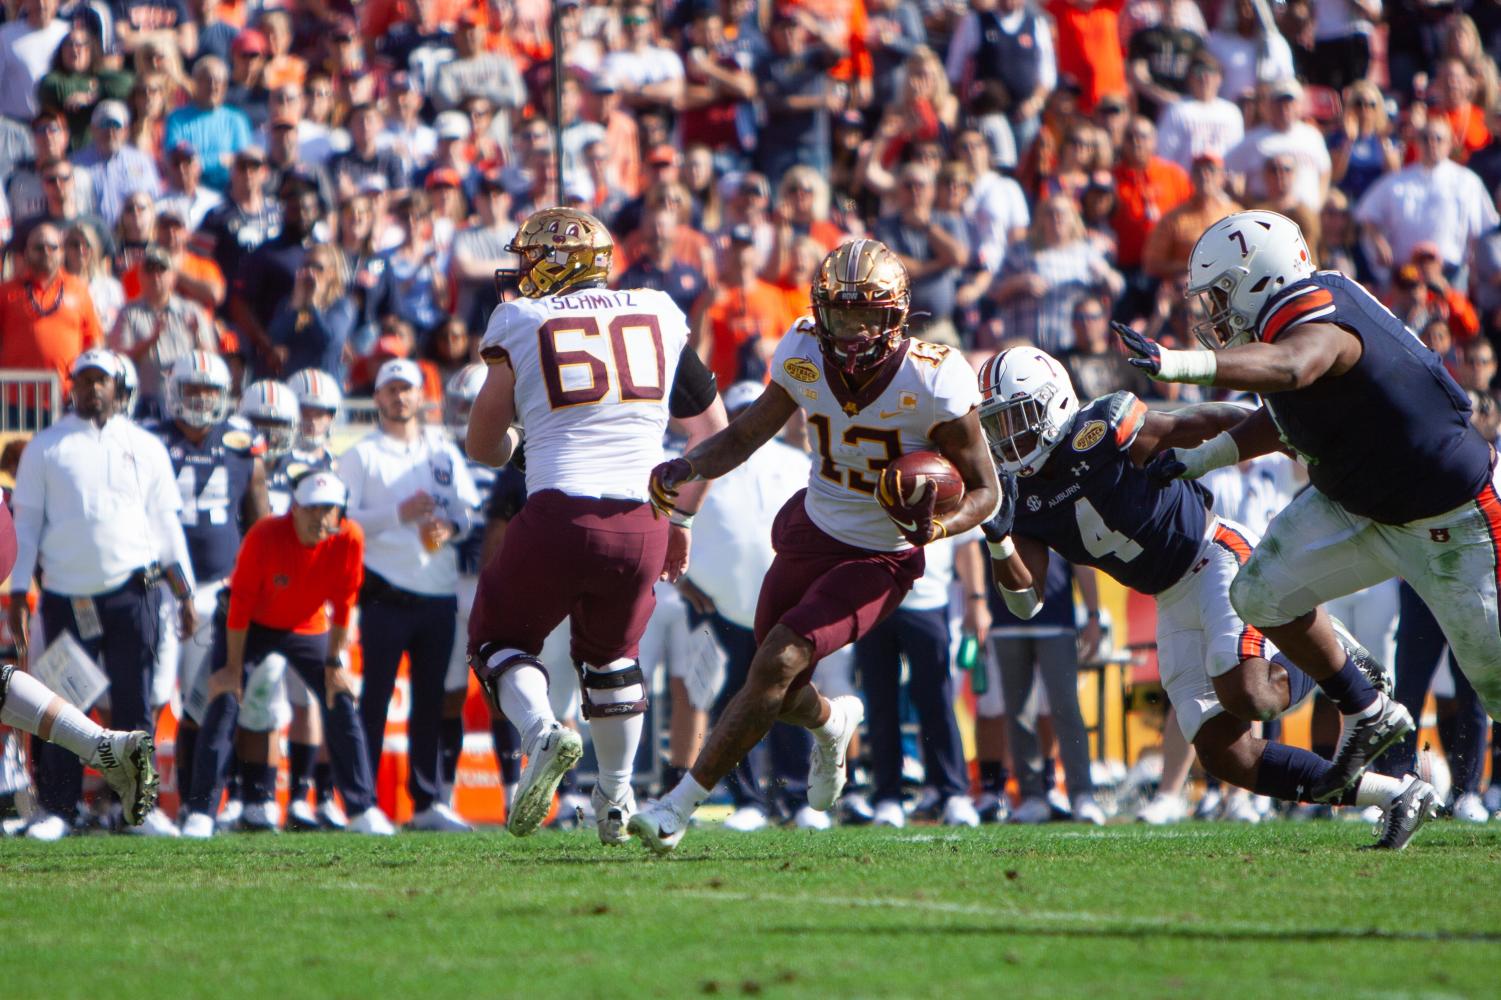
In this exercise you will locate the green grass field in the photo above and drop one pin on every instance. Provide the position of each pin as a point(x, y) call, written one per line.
point(1287, 910)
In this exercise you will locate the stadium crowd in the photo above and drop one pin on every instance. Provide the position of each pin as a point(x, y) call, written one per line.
point(315, 197)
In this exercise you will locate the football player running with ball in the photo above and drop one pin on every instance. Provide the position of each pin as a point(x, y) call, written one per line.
point(1402, 484)
point(1072, 480)
point(593, 374)
point(846, 552)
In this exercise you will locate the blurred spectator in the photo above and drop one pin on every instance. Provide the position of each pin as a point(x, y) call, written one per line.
point(655, 265)
point(1160, 59)
point(25, 189)
point(1487, 281)
point(1084, 150)
point(1172, 241)
point(1089, 49)
point(117, 170)
point(1342, 250)
point(79, 80)
point(1251, 51)
point(27, 45)
point(1006, 42)
point(1451, 98)
point(1342, 32)
point(476, 71)
point(364, 158)
point(997, 206)
point(1435, 200)
point(158, 327)
point(743, 318)
point(84, 257)
point(62, 205)
point(797, 94)
point(1477, 367)
point(151, 97)
point(1457, 309)
point(1362, 150)
point(690, 247)
point(934, 248)
point(1277, 179)
point(1095, 364)
point(406, 132)
point(290, 107)
point(216, 130)
point(46, 313)
point(1202, 121)
point(284, 160)
point(246, 89)
point(1283, 131)
point(197, 278)
point(413, 283)
point(282, 67)
point(894, 29)
point(449, 350)
point(647, 73)
point(185, 196)
point(264, 278)
point(165, 22)
point(135, 229)
point(1146, 187)
point(719, 84)
point(478, 250)
point(245, 220)
point(602, 104)
point(313, 327)
point(1046, 276)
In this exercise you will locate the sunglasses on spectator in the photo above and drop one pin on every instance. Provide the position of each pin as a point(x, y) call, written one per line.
point(1363, 102)
point(58, 178)
point(633, 19)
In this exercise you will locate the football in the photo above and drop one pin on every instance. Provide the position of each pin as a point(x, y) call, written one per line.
point(941, 471)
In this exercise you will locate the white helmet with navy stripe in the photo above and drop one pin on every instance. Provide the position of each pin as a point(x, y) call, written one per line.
point(317, 390)
point(459, 395)
point(1237, 266)
point(1027, 405)
point(198, 409)
point(271, 407)
point(132, 383)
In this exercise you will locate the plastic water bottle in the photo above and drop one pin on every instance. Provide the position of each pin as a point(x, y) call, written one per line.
point(969, 660)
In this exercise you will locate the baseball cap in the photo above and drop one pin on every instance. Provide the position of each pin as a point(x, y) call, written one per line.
point(742, 394)
point(182, 152)
point(742, 233)
point(101, 358)
point(451, 125)
point(602, 84)
point(1209, 156)
point(157, 257)
point(663, 156)
point(251, 154)
point(320, 489)
point(444, 177)
point(1286, 89)
point(250, 42)
point(113, 113)
point(399, 370)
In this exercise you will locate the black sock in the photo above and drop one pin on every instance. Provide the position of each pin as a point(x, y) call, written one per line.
point(507, 750)
point(186, 746)
point(1349, 689)
point(671, 776)
point(1049, 774)
point(259, 781)
point(1287, 773)
point(1299, 684)
point(450, 745)
point(234, 787)
point(1496, 753)
point(993, 776)
point(323, 780)
point(1457, 733)
point(300, 760)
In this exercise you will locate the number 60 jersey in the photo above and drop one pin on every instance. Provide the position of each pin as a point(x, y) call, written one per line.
point(594, 371)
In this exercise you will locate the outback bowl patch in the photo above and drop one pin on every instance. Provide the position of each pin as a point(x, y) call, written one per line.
point(801, 369)
point(1089, 435)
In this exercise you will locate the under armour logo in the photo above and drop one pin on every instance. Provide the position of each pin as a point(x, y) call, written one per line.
point(1081, 468)
point(1438, 534)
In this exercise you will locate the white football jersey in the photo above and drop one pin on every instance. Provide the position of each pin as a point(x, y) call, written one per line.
point(594, 370)
point(852, 440)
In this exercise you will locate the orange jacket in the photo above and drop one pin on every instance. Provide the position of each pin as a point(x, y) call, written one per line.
point(279, 583)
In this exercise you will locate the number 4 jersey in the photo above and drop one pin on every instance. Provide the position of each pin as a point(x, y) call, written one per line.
point(1095, 507)
point(212, 477)
point(594, 369)
point(856, 435)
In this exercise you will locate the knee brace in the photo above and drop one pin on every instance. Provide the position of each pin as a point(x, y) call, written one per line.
point(6, 669)
point(489, 673)
point(623, 680)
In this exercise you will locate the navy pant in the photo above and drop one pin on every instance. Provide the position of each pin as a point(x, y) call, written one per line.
point(341, 724)
point(922, 638)
point(1420, 643)
point(127, 647)
point(780, 761)
point(423, 628)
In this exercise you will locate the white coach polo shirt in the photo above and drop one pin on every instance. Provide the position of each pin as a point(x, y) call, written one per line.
point(93, 505)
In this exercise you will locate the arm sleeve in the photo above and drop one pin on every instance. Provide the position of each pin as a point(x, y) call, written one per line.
point(29, 500)
point(693, 387)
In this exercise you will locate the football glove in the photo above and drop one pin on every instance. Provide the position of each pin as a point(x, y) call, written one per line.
point(909, 505)
point(1148, 353)
point(1164, 467)
point(665, 481)
point(1004, 519)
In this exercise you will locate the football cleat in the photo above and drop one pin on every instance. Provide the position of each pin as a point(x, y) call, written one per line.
point(372, 823)
point(808, 818)
point(438, 818)
point(550, 754)
point(1364, 740)
point(658, 826)
point(331, 816)
point(1087, 810)
point(1210, 805)
point(889, 812)
point(198, 826)
point(855, 810)
point(1033, 810)
point(1469, 808)
point(1239, 808)
point(156, 824)
point(1492, 798)
point(610, 818)
point(48, 827)
point(826, 770)
point(301, 818)
point(959, 810)
point(993, 808)
point(261, 817)
point(746, 819)
point(125, 761)
point(1381, 676)
point(1164, 810)
point(229, 816)
point(1417, 804)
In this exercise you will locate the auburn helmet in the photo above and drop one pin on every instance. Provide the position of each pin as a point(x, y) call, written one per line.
point(861, 294)
point(203, 369)
point(1027, 406)
point(559, 249)
point(1237, 267)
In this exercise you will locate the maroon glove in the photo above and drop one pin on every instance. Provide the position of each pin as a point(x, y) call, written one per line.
point(909, 502)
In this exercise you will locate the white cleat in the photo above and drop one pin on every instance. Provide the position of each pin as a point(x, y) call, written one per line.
point(261, 817)
point(48, 827)
point(1241, 809)
point(889, 812)
point(156, 824)
point(372, 823)
point(1032, 811)
point(959, 810)
point(331, 816)
point(549, 755)
point(1211, 805)
point(1470, 809)
point(1163, 810)
point(658, 827)
point(1492, 798)
point(198, 826)
point(1087, 810)
point(300, 816)
point(438, 818)
point(610, 818)
point(125, 761)
point(746, 819)
point(826, 771)
point(808, 818)
point(229, 816)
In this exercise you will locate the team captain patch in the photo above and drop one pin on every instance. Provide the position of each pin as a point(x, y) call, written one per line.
point(1089, 435)
point(801, 369)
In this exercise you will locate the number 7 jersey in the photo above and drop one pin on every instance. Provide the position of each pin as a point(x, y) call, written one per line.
point(594, 370)
point(854, 436)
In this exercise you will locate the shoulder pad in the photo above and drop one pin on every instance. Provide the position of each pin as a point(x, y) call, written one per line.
point(1304, 302)
point(1116, 419)
point(239, 435)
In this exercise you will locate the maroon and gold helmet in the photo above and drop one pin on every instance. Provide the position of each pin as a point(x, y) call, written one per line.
point(560, 249)
point(861, 294)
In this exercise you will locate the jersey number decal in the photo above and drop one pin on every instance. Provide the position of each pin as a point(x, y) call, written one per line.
point(212, 502)
point(1100, 541)
point(1239, 237)
point(623, 332)
point(853, 435)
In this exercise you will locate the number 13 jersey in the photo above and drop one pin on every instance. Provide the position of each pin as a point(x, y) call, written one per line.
point(594, 371)
point(853, 436)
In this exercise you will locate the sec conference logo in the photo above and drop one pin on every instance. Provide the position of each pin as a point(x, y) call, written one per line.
point(801, 369)
point(1089, 435)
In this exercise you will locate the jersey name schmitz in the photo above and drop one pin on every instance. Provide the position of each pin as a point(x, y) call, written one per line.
point(594, 370)
point(854, 437)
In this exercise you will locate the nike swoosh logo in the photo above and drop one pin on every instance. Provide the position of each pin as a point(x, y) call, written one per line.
point(888, 414)
point(904, 525)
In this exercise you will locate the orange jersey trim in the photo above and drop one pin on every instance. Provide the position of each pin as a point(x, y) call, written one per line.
point(1300, 308)
point(1252, 643)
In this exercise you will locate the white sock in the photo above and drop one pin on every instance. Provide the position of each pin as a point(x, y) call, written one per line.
point(615, 737)
point(833, 728)
point(1378, 790)
point(523, 695)
point(686, 796)
point(27, 701)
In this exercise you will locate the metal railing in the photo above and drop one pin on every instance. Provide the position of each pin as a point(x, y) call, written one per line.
point(31, 399)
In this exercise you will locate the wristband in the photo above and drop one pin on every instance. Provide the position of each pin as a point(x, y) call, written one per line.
point(940, 530)
point(1002, 550)
point(680, 519)
point(1197, 367)
point(1216, 453)
point(1022, 603)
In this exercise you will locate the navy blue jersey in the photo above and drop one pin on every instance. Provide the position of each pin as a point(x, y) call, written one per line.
point(507, 494)
point(1391, 438)
point(1093, 506)
point(470, 546)
point(1057, 600)
point(290, 467)
point(213, 477)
